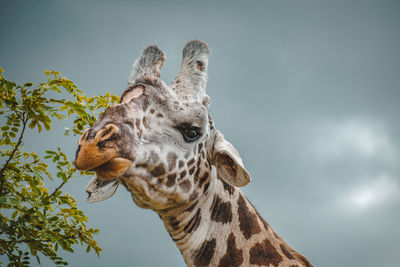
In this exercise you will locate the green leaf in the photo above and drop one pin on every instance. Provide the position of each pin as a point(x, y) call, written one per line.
point(32, 124)
point(38, 259)
point(32, 249)
point(39, 127)
point(14, 215)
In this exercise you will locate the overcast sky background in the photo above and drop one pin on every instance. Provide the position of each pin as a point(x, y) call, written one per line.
point(307, 91)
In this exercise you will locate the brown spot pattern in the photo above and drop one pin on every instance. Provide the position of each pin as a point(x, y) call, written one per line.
point(233, 256)
point(139, 131)
point(193, 223)
point(191, 170)
point(204, 178)
point(228, 188)
point(193, 196)
point(301, 258)
point(205, 254)
point(190, 162)
point(206, 187)
point(154, 157)
point(171, 179)
point(158, 171)
point(191, 207)
point(185, 185)
point(171, 159)
point(277, 236)
point(200, 147)
point(264, 254)
point(137, 123)
point(286, 252)
point(221, 211)
point(183, 174)
point(146, 124)
point(131, 123)
point(174, 223)
point(266, 225)
point(247, 220)
point(228, 164)
point(196, 175)
point(181, 163)
point(142, 165)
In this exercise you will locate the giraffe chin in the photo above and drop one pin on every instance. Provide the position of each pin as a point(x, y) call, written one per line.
point(113, 168)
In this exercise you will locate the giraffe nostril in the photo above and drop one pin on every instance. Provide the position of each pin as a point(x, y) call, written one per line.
point(87, 134)
point(106, 132)
point(83, 137)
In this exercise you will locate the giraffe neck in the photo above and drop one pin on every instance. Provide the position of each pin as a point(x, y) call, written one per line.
point(223, 229)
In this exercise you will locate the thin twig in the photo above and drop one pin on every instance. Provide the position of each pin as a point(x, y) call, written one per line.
point(42, 240)
point(61, 185)
point(58, 188)
point(24, 120)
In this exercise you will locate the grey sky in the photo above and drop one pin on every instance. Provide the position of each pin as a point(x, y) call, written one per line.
point(307, 91)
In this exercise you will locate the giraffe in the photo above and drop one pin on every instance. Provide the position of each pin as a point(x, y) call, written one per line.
point(161, 144)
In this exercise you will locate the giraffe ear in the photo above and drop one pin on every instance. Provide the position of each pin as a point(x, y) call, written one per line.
point(228, 162)
point(148, 66)
point(192, 78)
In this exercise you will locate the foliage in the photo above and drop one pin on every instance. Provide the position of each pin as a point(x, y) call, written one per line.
point(32, 219)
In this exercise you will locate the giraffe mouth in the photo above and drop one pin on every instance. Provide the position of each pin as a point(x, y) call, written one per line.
point(112, 168)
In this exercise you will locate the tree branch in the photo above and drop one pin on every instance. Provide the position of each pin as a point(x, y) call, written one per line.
point(24, 121)
point(58, 188)
point(61, 185)
point(42, 240)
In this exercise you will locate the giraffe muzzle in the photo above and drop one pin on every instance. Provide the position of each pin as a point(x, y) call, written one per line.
point(94, 155)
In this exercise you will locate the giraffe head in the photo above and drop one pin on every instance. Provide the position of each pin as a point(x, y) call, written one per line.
point(159, 141)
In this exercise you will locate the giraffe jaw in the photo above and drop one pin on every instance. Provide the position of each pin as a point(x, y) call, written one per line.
point(112, 168)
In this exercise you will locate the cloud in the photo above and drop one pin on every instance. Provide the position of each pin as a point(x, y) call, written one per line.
point(380, 191)
point(358, 137)
point(363, 160)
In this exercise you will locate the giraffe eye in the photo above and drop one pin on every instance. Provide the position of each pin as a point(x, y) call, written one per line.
point(190, 134)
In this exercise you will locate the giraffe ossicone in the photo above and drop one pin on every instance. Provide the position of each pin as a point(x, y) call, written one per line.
point(160, 143)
